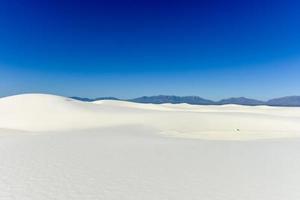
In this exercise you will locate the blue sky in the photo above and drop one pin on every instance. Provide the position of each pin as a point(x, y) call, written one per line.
point(213, 49)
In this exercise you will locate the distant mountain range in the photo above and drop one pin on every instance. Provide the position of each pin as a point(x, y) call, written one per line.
point(241, 101)
point(95, 99)
point(195, 100)
point(172, 99)
point(285, 101)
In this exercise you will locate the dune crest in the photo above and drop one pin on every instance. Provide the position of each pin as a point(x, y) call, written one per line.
point(43, 112)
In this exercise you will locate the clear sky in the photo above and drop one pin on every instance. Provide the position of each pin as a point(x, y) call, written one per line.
point(124, 48)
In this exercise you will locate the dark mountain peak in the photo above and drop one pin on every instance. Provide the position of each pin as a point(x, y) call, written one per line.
point(285, 101)
point(106, 98)
point(95, 99)
point(82, 99)
point(172, 99)
point(240, 101)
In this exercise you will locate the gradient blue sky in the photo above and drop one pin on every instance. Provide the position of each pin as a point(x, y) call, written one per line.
point(211, 48)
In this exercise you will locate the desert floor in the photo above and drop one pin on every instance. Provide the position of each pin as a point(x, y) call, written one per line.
point(56, 148)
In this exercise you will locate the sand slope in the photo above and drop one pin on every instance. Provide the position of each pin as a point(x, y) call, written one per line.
point(131, 165)
point(56, 148)
point(40, 112)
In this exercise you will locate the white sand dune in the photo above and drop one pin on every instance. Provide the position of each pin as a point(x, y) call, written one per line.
point(53, 147)
point(40, 112)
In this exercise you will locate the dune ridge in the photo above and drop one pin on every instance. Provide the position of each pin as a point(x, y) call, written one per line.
point(43, 112)
point(53, 147)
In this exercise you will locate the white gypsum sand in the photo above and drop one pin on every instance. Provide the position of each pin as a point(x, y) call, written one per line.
point(56, 148)
point(42, 113)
